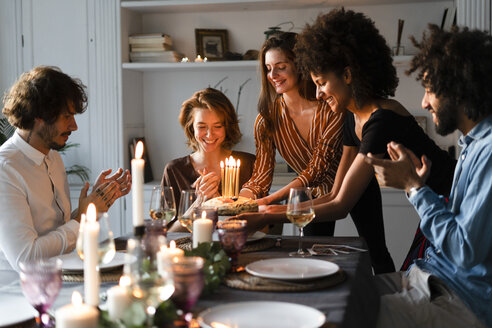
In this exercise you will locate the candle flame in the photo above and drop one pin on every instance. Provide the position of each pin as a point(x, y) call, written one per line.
point(204, 214)
point(76, 298)
point(172, 244)
point(221, 164)
point(125, 281)
point(139, 150)
point(91, 213)
point(238, 163)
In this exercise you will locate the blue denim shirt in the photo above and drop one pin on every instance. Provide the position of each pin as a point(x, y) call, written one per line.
point(461, 230)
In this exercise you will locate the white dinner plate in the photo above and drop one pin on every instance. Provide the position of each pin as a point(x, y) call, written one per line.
point(73, 263)
point(292, 268)
point(261, 314)
point(15, 309)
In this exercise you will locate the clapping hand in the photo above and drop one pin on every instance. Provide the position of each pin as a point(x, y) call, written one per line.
point(106, 190)
point(403, 171)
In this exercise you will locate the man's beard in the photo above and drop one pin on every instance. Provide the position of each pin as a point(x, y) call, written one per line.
point(47, 133)
point(446, 117)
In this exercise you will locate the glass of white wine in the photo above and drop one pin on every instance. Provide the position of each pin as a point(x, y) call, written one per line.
point(162, 204)
point(300, 212)
point(106, 247)
point(189, 200)
point(151, 280)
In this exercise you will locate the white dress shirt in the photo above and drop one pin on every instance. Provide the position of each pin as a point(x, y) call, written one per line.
point(35, 218)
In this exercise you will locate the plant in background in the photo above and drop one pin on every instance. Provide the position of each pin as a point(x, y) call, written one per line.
point(7, 130)
point(216, 86)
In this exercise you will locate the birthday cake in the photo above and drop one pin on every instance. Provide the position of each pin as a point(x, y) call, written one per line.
point(228, 206)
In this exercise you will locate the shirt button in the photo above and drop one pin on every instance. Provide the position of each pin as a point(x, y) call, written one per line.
point(463, 157)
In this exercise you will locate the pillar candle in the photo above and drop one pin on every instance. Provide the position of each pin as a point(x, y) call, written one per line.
point(91, 273)
point(119, 299)
point(77, 314)
point(202, 230)
point(165, 257)
point(238, 167)
point(138, 165)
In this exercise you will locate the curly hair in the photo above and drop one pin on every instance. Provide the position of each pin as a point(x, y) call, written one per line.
point(217, 102)
point(457, 65)
point(343, 39)
point(285, 42)
point(45, 92)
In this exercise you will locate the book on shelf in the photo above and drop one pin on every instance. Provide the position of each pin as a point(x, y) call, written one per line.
point(150, 47)
point(156, 56)
point(150, 38)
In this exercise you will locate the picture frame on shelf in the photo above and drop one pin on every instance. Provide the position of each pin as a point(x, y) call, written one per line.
point(211, 43)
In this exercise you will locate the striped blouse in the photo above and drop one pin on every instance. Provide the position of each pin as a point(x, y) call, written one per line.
point(315, 160)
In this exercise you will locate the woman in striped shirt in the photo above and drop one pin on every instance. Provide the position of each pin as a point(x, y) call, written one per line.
point(307, 134)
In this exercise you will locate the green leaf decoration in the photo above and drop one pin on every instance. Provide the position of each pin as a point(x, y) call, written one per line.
point(215, 267)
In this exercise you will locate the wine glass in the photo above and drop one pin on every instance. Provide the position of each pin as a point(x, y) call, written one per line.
point(232, 236)
point(188, 283)
point(300, 212)
point(41, 281)
point(106, 248)
point(150, 284)
point(162, 204)
point(190, 199)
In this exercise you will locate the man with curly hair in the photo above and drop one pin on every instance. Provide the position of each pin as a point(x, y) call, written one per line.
point(36, 220)
point(452, 285)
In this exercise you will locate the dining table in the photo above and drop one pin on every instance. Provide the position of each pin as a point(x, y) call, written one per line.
point(349, 299)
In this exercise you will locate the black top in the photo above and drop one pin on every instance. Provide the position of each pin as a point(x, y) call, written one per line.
point(384, 126)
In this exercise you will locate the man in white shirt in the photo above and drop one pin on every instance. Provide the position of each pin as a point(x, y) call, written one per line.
point(36, 220)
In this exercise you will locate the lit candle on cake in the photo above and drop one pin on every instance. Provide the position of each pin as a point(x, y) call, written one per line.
point(222, 177)
point(77, 314)
point(226, 178)
point(202, 230)
point(91, 274)
point(138, 165)
point(238, 166)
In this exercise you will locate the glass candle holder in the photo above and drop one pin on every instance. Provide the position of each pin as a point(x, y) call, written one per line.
point(232, 236)
point(188, 284)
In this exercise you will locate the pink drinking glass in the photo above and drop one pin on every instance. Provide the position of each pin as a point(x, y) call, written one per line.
point(232, 236)
point(41, 281)
point(188, 284)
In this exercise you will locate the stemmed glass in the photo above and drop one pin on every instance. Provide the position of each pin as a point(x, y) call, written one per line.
point(232, 236)
point(190, 200)
point(106, 248)
point(41, 282)
point(300, 212)
point(151, 283)
point(162, 204)
point(188, 283)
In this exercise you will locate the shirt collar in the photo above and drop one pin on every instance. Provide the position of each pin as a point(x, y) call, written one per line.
point(32, 153)
point(479, 131)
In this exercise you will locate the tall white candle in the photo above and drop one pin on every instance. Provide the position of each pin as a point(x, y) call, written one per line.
point(222, 177)
point(77, 314)
point(91, 273)
point(138, 165)
point(202, 230)
point(238, 167)
point(226, 179)
point(119, 299)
